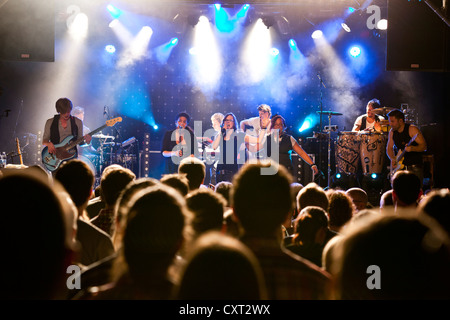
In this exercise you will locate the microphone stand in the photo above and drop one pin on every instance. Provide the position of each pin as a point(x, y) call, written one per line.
point(321, 122)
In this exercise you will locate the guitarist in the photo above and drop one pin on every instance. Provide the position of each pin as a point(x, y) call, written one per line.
point(62, 125)
point(400, 136)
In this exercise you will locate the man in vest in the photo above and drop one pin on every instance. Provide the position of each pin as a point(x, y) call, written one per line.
point(400, 138)
point(369, 122)
point(62, 125)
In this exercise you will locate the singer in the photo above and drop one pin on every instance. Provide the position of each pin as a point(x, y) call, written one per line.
point(178, 143)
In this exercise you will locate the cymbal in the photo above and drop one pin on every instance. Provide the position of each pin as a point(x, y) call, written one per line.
point(102, 136)
point(332, 113)
point(383, 110)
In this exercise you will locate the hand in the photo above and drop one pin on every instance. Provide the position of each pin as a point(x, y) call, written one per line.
point(87, 139)
point(408, 149)
point(315, 169)
point(51, 148)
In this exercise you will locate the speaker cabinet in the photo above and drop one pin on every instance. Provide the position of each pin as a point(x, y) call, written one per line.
point(417, 37)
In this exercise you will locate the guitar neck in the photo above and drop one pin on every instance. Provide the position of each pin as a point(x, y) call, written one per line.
point(79, 140)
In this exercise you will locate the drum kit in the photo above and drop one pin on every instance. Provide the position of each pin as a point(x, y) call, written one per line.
point(103, 151)
point(353, 149)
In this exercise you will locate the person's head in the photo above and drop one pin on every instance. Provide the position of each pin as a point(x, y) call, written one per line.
point(37, 237)
point(340, 209)
point(312, 195)
point(436, 204)
point(392, 257)
point(310, 226)
point(406, 188)
point(78, 179)
point(396, 119)
point(386, 201)
point(261, 198)
point(216, 120)
point(182, 120)
point(122, 205)
point(359, 197)
point(208, 208)
point(371, 105)
point(154, 232)
point(278, 122)
point(177, 181)
point(220, 267)
point(64, 107)
point(195, 171)
point(78, 112)
point(265, 112)
point(113, 182)
point(224, 188)
point(230, 121)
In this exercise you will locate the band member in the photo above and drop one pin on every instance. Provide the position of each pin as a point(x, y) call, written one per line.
point(369, 122)
point(286, 144)
point(178, 143)
point(253, 126)
point(405, 137)
point(63, 125)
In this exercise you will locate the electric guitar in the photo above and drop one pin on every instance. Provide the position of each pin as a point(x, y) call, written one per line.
point(19, 152)
point(66, 149)
point(401, 155)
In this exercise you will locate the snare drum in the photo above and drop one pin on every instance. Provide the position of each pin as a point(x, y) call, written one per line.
point(373, 152)
point(348, 152)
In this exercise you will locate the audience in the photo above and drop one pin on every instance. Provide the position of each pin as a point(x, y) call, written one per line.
point(220, 267)
point(436, 204)
point(224, 188)
point(340, 209)
point(393, 257)
point(113, 182)
point(261, 203)
point(406, 190)
point(359, 197)
point(177, 181)
point(78, 179)
point(37, 237)
point(386, 201)
point(195, 171)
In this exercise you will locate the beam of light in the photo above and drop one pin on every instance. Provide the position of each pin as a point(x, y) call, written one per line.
point(125, 37)
point(163, 51)
point(115, 12)
point(308, 123)
point(242, 13)
point(137, 49)
point(255, 61)
point(205, 67)
point(79, 27)
point(222, 20)
point(274, 52)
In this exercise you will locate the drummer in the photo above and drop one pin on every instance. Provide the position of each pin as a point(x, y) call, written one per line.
point(370, 121)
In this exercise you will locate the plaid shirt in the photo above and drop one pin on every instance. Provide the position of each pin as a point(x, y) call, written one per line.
point(288, 276)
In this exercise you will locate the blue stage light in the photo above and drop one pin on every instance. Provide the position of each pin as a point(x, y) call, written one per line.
point(155, 127)
point(355, 51)
point(115, 12)
point(338, 176)
point(292, 44)
point(374, 176)
point(274, 52)
point(174, 41)
point(110, 48)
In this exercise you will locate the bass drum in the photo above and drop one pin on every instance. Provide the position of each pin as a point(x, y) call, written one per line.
point(89, 163)
point(347, 152)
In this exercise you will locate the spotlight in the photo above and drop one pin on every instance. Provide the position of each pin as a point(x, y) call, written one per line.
point(113, 23)
point(155, 127)
point(305, 126)
point(110, 48)
point(374, 176)
point(268, 21)
point(174, 41)
point(283, 25)
point(115, 13)
point(317, 34)
point(292, 44)
point(355, 51)
point(274, 52)
point(193, 20)
point(345, 27)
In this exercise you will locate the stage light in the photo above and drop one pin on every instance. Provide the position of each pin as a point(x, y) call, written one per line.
point(115, 13)
point(382, 24)
point(110, 48)
point(79, 27)
point(351, 10)
point(155, 127)
point(243, 12)
point(306, 125)
point(274, 52)
point(222, 20)
point(338, 176)
point(345, 27)
point(268, 21)
point(355, 51)
point(283, 25)
point(374, 176)
point(174, 41)
point(193, 20)
point(317, 34)
point(293, 44)
point(113, 23)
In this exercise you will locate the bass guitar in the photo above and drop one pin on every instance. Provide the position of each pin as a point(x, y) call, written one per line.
point(66, 149)
point(400, 156)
